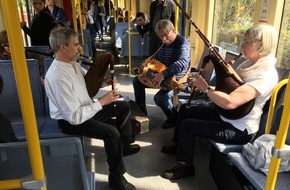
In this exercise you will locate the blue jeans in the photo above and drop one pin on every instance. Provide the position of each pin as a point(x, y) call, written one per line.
point(163, 99)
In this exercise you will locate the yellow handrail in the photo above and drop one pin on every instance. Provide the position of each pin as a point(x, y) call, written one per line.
point(272, 105)
point(9, 8)
point(279, 142)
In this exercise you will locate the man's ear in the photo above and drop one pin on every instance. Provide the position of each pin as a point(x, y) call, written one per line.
point(62, 47)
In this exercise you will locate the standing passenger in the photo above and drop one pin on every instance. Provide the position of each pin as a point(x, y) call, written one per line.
point(41, 25)
point(77, 114)
point(57, 12)
point(159, 9)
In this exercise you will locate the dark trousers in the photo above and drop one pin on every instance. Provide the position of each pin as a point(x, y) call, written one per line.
point(205, 123)
point(163, 99)
point(99, 127)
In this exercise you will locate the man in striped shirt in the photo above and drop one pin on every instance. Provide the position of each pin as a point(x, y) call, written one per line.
point(175, 56)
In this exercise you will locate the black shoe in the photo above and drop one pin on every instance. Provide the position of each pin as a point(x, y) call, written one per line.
point(132, 139)
point(120, 183)
point(172, 149)
point(168, 124)
point(131, 149)
point(179, 171)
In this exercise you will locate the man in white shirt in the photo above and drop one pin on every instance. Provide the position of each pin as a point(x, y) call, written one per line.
point(77, 114)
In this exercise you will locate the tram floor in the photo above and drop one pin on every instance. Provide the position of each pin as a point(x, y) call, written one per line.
point(145, 167)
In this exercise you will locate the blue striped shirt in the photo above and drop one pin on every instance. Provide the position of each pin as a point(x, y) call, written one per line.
point(175, 57)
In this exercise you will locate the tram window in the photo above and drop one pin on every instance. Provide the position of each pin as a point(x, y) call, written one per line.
point(283, 52)
point(231, 20)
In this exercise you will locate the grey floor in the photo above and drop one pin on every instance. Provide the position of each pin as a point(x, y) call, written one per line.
point(145, 167)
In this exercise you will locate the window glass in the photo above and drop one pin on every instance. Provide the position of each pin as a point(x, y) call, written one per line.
point(231, 20)
point(283, 52)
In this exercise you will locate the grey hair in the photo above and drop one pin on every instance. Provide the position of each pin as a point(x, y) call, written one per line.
point(266, 35)
point(164, 25)
point(60, 35)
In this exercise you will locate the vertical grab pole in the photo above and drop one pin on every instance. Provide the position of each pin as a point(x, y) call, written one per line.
point(23, 85)
point(129, 36)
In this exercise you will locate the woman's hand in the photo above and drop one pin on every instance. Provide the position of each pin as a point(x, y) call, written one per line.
point(196, 80)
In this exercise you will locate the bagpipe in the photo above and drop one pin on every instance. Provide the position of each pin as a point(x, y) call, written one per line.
point(227, 80)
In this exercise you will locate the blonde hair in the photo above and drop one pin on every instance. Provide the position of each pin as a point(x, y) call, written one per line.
point(266, 35)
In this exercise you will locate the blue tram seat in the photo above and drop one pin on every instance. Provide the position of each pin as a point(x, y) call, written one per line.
point(137, 48)
point(256, 178)
point(10, 105)
point(119, 28)
point(41, 49)
point(225, 176)
point(63, 163)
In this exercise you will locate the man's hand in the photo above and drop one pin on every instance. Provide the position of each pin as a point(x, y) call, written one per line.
point(158, 78)
point(109, 97)
point(136, 71)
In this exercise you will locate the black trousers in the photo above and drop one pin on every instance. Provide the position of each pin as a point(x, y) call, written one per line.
point(204, 122)
point(100, 127)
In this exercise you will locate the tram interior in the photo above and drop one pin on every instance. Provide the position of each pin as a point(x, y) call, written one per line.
point(81, 161)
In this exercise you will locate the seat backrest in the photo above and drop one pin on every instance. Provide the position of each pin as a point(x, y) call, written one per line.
point(139, 46)
point(9, 99)
point(41, 49)
point(208, 72)
point(271, 115)
point(119, 27)
point(62, 158)
point(230, 56)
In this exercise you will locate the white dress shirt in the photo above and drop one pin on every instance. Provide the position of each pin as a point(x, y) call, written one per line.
point(68, 97)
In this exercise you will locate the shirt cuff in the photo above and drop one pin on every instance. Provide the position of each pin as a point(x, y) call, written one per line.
point(97, 105)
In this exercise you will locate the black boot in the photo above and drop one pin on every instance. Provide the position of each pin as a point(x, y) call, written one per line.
point(118, 182)
point(131, 149)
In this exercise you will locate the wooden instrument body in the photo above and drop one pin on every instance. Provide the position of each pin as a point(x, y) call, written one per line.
point(152, 66)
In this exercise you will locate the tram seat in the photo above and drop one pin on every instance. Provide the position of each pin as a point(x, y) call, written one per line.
point(63, 162)
point(41, 49)
point(137, 49)
point(10, 105)
point(225, 175)
point(9, 100)
point(119, 28)
point(256, 178)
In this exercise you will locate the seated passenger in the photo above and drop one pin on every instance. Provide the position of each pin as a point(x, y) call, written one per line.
point(260, 77)
point(5, 53)
point(77, 114)
point(143, 25)
point(175, 56)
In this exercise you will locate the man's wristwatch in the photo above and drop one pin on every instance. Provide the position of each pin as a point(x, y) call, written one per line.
point(207, 90)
